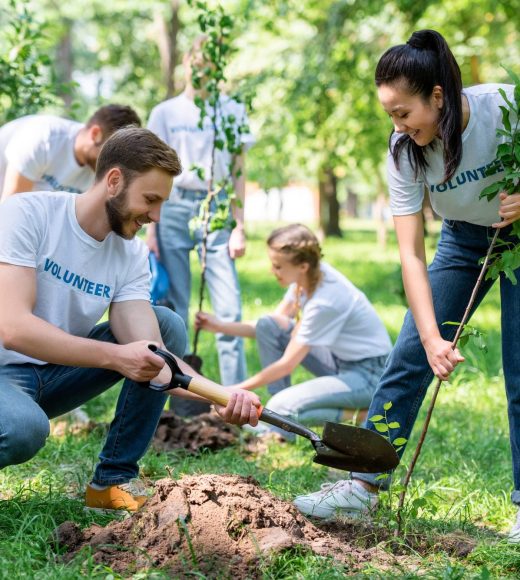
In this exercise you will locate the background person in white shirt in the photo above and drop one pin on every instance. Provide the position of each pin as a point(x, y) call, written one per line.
point(49, 153)
point(324, 323)
point(176, 121)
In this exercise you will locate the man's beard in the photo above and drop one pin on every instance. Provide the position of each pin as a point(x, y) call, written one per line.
point(117, 213)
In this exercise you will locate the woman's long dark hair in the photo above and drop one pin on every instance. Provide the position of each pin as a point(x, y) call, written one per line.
point(424, 62)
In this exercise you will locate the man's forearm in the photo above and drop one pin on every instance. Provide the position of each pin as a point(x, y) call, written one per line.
point(36, 338)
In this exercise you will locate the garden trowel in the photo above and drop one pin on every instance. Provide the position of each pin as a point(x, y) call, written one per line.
point(341, 446)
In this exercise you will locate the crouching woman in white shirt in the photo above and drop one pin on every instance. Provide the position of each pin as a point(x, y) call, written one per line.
point(324, 323)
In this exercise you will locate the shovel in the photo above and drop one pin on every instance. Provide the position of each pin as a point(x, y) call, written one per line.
point(341, 446)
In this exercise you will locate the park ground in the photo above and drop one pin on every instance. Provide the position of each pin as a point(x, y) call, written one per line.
point(460, 488)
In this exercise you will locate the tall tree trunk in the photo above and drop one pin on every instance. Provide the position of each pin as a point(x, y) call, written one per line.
point(329, 205)
point(166, 38)
point(65, 63)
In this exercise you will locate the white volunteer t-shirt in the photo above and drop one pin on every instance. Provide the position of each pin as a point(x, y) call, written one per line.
point(457, 199)
point(176, 121)
point(41, 148)
point(77, 276)
point(340, 317)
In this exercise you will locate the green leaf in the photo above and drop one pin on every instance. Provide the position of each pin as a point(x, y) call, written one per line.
point(382, 476)
point(376, 418)
point(381, 427)
point(394, 425)
point(505, 118)
point(491, 191)
point(399, 441)
point(387, 406)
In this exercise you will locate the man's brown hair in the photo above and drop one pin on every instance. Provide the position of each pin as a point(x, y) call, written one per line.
point(113, 117)
point(135, 151)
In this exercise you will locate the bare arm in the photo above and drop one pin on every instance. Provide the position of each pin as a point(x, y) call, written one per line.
point(22, 331)
point(291, 358)
point(237, 240)
point(15, 182)
point(410, 236)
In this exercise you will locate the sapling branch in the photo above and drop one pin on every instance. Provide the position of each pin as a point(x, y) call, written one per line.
point(208, 77)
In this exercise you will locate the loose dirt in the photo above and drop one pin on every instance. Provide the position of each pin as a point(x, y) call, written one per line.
point(206, 431)
point(227, 526)
point(218, 525)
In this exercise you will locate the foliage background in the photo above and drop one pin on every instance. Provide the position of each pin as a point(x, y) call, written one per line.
point(311, 63)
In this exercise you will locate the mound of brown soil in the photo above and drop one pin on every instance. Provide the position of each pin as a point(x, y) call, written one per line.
point(206, 431)
point(218, 525)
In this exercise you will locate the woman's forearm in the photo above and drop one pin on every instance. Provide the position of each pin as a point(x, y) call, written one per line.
point(419, 295)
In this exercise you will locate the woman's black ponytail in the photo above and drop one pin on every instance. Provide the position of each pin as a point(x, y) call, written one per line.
point(424, 62)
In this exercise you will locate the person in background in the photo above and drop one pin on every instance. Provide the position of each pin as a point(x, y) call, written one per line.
point(324, 323)
point(176, 121)
point(445, 140)
point(48, 153)
point(65, 259)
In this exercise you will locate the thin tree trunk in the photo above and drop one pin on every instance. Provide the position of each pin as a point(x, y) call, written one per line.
point(329, 205)
point(166, 38)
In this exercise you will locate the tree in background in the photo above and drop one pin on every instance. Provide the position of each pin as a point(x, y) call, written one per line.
point(26, 86)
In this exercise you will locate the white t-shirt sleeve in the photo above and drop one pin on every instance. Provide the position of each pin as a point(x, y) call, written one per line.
point(406, 194)
point(321, 324)
point(137, 283)
point(157, 124)
point(28, 155)
point(19, 245)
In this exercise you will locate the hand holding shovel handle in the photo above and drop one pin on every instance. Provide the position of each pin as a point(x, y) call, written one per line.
point(341, 446)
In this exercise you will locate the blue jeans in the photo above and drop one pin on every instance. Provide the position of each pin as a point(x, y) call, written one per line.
point(453, 274)
point(338, 385)
point(32, 394)
point(175, 243)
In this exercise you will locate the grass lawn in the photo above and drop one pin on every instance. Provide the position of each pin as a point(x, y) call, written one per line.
point(462, 481)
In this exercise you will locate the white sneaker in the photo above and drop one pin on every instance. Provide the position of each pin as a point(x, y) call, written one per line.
point(514, 533)
point(345, 498)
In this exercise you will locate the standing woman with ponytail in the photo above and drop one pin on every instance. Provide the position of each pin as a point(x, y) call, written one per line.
point(325, 323)
point(444, 140)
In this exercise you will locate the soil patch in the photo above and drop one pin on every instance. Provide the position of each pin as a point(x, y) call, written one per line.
point(206, 431)
point(219, 525)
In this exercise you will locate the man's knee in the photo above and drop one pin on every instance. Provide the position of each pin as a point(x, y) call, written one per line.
point(173, 330)
point(22, 436)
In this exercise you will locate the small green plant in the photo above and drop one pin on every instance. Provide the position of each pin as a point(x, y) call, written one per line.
point(385, 427)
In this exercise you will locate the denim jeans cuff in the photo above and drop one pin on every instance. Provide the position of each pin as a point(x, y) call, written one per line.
point(371, 478)
point(515, 497)
point(110, 480)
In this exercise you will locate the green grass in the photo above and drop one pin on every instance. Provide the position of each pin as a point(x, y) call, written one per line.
point(463, 477)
